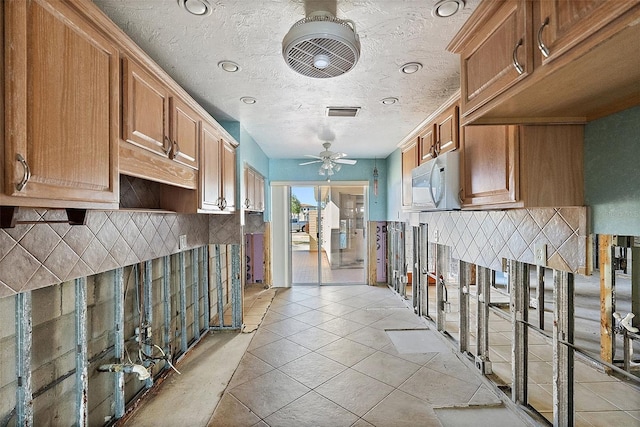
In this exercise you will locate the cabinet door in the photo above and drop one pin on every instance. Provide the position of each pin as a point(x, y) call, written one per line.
point(427, 149)
point(210, 167)
point(62, 89)
point(409, 163)
point(250, 189)
point(562, 24)
point(489, 165)
point(488, 65)
point(145, 113)
point(259, 192)
point(447, 126)
point(184, 132)
point(229, 176)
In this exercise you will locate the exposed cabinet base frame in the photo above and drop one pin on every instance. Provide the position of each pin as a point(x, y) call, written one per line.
point(8, 217)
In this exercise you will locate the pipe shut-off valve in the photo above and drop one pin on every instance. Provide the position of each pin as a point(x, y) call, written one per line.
point(624, 323)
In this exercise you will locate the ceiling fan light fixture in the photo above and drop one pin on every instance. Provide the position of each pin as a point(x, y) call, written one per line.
point(411, 68)
point(196, 7)
point(447, 8)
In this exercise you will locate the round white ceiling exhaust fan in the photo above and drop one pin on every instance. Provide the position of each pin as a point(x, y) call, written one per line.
point(321, 45)
point(330, 162)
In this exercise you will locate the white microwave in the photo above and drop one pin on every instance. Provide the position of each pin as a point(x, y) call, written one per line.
point(436, 183)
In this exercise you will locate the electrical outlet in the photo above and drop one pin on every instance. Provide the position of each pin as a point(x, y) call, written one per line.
point(182, 244)
point(540, 253)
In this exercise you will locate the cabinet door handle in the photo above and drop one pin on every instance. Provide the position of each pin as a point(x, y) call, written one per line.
point(460, 196)
point(543, 49)
point(26, 174)
point(176, 149)
point(516, 64)
point(247, 203)
point(222, 203)
point(166, 146)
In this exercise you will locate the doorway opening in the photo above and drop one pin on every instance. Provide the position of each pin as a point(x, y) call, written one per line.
point(327, 238)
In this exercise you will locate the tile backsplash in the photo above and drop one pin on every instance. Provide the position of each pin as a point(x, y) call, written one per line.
point(486, 237)
point(37, 255)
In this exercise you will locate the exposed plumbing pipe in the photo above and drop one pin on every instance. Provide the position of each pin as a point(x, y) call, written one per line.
point(140, 370)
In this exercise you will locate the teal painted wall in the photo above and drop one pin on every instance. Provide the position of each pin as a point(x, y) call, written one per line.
point(249, 153)
point(612, 173)
point(290, 170)
point(394, 186)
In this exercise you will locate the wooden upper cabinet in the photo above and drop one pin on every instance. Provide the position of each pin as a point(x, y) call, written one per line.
point(254, 190)
point(228, 176)
point(62, 117)
point(441, 135)
point(160, 133)
point(216, 191)
point(184, 133)
point(489, 164)
point(550, 61)
point(498, 56)
point(427, 141)
point(522, 166)
point(447, 128)
point(561, 24)
point(409, 163)
point(145, 109)
point(210, 168)
point(259, 192)
point(250, 189)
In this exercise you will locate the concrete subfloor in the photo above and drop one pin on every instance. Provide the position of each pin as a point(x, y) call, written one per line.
point(322, 357)
point(189, 399)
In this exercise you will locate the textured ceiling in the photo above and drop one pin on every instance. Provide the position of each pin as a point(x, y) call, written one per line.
point(289, 119)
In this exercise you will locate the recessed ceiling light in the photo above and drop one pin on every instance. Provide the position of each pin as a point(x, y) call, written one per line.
point(447, 8)
point(229, 66)
point(248, 100)
point(196, 7)
point(389, 101)
point(411, 67)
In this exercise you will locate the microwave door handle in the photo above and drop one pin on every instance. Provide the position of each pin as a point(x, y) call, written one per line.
point(433, 199)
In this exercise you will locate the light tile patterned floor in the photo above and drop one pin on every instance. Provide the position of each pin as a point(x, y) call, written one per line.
point(305, 270)
point(321, 357)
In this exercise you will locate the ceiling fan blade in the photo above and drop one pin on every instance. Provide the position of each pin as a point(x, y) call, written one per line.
point(312, 156)
point(309, 163)
point(335, 156)
point(346, 161)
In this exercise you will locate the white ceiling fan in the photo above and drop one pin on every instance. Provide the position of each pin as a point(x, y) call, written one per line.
point(330, 162)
